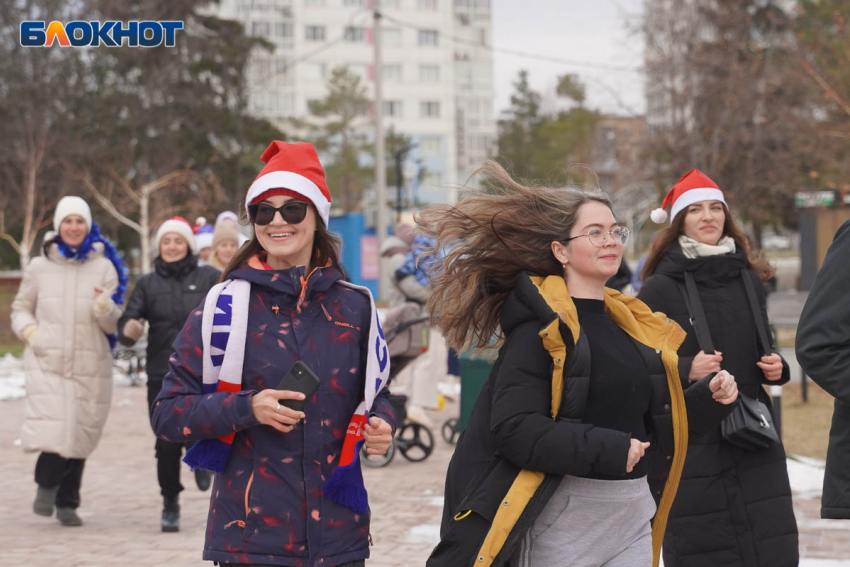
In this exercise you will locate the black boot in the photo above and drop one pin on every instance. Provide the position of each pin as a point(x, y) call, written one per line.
point(170, 515)
point(44, 501)
point(203, 479)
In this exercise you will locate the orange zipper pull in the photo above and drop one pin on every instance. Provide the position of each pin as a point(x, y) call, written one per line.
point(328, 315)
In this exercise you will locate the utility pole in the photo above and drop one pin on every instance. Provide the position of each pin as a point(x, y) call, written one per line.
point(380, 167)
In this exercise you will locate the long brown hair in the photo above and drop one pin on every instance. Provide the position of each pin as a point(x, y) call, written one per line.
point(756, 260)
point(491, 239)
point(326, 247)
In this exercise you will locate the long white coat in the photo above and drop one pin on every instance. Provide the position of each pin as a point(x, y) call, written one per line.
point(68, 363)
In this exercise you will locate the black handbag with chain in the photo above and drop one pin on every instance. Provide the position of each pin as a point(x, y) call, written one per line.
point(750, 424)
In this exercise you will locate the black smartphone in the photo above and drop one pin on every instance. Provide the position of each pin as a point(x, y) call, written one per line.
point(299, 379)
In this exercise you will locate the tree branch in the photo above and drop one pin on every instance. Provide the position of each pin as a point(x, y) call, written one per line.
point(830, 92)
point(107, 204)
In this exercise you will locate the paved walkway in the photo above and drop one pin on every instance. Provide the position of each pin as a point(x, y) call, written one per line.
point(121, 505)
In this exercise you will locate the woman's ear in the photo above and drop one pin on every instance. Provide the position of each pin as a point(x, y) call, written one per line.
point(560, 252)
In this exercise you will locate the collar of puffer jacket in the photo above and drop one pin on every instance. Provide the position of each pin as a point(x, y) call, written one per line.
point(290, 281)
point(180, 268)
point(708, 270)
point(54, 255)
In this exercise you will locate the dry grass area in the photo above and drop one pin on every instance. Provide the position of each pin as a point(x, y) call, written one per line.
point(7, 337)
point(805, 426)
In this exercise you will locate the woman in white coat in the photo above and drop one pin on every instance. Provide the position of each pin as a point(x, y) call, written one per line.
point(66, 312)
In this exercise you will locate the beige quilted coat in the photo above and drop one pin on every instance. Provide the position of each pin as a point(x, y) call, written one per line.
point(67, 362)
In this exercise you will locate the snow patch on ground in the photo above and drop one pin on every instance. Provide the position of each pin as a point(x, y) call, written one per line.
point(806, 476)
point(426, 533)
point(11, 378)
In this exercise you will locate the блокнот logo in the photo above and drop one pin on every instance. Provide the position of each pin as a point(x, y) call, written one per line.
point(79, 33)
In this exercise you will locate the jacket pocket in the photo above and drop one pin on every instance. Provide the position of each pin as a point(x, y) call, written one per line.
point(465, 532)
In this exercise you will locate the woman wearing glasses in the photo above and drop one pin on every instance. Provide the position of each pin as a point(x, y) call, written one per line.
point(577, 439)
point(734, 505)
point(288, 488)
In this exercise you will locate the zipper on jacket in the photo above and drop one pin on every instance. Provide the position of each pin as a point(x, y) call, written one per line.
point(241, 523)
point(327, 315)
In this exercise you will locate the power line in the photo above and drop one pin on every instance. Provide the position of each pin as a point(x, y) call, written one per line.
point(522, 54)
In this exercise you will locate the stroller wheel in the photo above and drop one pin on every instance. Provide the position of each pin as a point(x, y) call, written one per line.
point(415, 441)
point(450, 431)
point(377, 461)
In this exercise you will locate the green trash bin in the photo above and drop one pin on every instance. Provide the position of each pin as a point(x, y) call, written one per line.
point(473, 374)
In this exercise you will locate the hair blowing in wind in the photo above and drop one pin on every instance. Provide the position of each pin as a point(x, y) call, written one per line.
point(491, 238)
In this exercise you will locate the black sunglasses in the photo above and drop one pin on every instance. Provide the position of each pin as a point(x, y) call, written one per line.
point(293, 212)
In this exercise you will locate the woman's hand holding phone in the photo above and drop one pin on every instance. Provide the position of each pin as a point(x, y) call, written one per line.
point(268, 410)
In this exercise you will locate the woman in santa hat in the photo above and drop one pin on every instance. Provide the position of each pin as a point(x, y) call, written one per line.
point(733, 507)
point(288, 488)
point(164, 298)
point(66, 312)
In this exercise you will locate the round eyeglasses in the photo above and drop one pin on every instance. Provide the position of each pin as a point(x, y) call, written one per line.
point(599, 237)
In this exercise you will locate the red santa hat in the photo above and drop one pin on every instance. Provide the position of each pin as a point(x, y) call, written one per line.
point(693, 187)
point(177, 225)
point(294, 170)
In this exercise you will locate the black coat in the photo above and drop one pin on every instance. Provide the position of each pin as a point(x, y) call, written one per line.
point(823, 349)
point(510, 430)
point(733, 507)
point(165, 297)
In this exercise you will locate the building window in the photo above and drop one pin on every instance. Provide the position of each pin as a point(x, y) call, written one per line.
point(315, 70)
point(391, 36)
point(357, 3)
point(431, 146)
point(462, 3)
point(388, 4)
point(429, 73)
point(392, 72)
point(283, 30)
point(427, 5)
point(354, 34)
point(427, 37)
point(260, 29)
point(429, 109)
point(314, 2)
point(482, 4)
point(314, 33)
point(284, 76)
point(392, 108)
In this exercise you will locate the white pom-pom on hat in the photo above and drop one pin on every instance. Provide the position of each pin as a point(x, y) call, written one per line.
point(658, 216)
point(200, 221)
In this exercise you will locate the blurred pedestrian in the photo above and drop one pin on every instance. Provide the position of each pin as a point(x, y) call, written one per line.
point(225, 243)
point(574, 448)
point(823, 349)
point(421, 377)
point(231, 219)
point(164, 298)
point(393, 254)
point(204, 241)
point(289, 490)
point(734, 505)
point(66, 312)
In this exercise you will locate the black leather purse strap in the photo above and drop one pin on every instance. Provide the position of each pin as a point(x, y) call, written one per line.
point(764, 341)
point(697, 314)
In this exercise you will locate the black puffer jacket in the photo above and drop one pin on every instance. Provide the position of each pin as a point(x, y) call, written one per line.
point(823, 352)
point(165, 297)
point(510, 429)
point(733, 507)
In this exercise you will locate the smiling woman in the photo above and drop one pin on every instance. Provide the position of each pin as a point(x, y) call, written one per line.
point(582, 425)
point(289, 488)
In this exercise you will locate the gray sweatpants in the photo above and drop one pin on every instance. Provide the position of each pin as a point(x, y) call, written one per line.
point(591, 523)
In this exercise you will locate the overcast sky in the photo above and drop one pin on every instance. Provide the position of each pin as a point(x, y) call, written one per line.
point(593, 31)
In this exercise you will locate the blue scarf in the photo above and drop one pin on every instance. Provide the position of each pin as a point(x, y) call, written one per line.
point(81, 254)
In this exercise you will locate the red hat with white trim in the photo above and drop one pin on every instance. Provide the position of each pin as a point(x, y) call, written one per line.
point(294, 170)
point(693, 187)
point(176, 225)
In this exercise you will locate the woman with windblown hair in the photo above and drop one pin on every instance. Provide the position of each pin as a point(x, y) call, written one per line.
point(576, 443)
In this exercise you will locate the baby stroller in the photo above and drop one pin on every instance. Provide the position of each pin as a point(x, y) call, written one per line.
point(407, 338)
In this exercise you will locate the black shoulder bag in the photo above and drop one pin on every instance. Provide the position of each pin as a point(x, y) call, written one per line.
point(750, 425)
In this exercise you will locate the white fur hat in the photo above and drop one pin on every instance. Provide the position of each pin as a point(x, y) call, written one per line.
point(177, 225)
point(71, 206)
